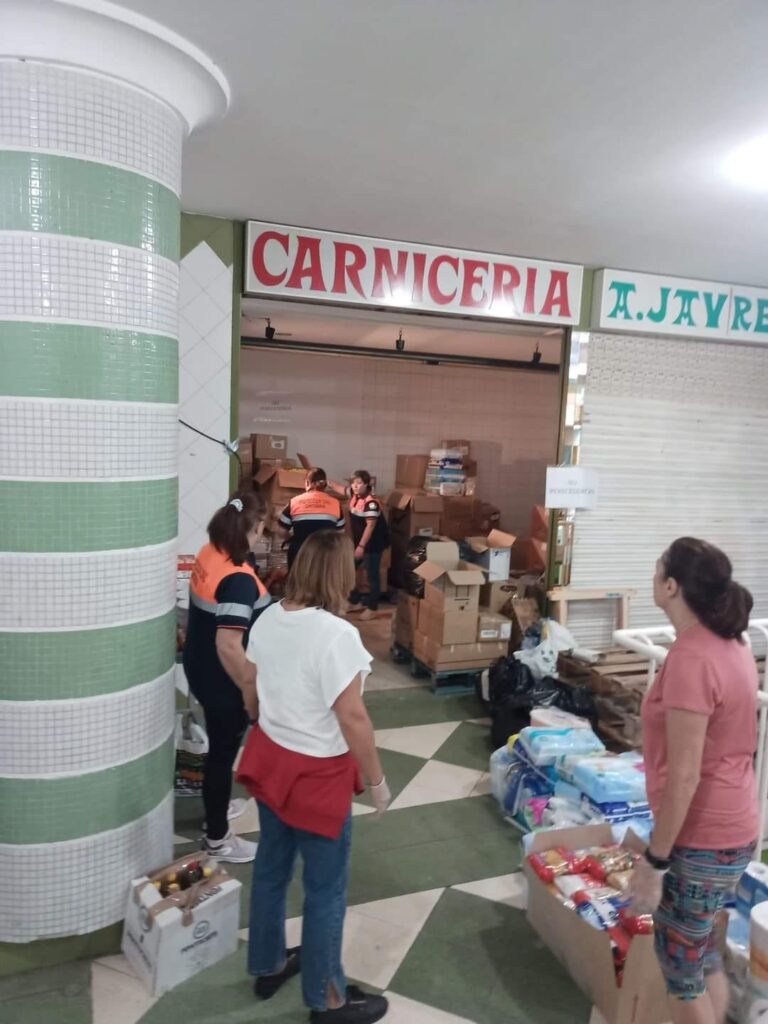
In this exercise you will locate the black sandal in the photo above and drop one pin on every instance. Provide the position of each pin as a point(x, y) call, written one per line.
point(266, 985)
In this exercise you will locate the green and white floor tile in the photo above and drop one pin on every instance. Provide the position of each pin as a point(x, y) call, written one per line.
point(436, 904)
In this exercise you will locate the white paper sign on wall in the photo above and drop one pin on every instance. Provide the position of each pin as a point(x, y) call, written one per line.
point(571, 487)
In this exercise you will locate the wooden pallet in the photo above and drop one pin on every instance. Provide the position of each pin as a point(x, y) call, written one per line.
point(445, 681)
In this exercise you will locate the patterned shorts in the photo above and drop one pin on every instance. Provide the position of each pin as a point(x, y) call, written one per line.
point(694, 890)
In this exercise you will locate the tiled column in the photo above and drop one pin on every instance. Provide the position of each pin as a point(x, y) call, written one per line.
point(89, 239)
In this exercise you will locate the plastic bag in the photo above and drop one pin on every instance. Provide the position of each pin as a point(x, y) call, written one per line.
point(191, 752)
point(542, 660)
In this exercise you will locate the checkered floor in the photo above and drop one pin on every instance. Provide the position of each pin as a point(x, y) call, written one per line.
point(436, 904)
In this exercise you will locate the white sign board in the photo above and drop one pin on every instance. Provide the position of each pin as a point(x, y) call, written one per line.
point(649, 304)
point(322, 266)
point(571, 487)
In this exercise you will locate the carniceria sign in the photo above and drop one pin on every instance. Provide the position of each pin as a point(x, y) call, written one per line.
point(650, 304)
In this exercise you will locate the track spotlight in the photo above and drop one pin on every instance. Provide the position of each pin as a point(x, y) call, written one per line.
point(536, 357)
point(400, 342)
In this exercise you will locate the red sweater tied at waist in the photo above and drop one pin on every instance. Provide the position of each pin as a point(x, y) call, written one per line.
point(310, 793)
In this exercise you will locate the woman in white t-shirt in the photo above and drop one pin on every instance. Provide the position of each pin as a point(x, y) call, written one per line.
point(303, 763)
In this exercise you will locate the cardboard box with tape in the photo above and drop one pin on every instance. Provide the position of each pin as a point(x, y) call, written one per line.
point(414, 514)
point(169, 938)
point(450, 583)
point(456, 657)
point(269, 446)
point(493, 627)
point(410, 471)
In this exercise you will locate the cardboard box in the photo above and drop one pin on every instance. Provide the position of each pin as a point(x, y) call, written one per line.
point(460, 516)
point(493, 553)
point(455, 657)
point(449, 582)
point(171, 946)
point(529, 555)
point(540, 523)
point(585, 952)
point(524, 613)
point(410, 470)
point(280, 485)
point(465, 447)
point(448, 625)
point(496, 596)
point(269, 446)
point(404, 634)
point(413, 513)
point(491, 626)
point(407, 610)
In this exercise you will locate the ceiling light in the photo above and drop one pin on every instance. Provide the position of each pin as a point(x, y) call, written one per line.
point(400, 342)
point(748, 165)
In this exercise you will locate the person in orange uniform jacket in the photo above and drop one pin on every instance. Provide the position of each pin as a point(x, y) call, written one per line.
point(309, 512)
point(225, 598)
point(370, 535)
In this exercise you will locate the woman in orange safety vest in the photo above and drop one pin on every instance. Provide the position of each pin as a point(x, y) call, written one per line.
point(309, 512)
point(225, 598)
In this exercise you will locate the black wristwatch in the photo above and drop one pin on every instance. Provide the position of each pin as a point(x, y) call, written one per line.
point(657, 863)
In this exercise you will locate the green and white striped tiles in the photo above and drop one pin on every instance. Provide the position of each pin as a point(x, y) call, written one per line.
point(89, 243)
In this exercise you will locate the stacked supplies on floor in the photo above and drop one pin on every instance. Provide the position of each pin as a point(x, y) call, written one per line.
point(524, 774)
point(746, 952)
point(562, 777)
point(445, 472)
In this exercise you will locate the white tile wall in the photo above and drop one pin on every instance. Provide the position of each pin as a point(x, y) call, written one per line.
point(347, 413)
point(205, 371)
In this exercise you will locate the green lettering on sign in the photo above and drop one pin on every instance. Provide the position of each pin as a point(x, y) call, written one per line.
point(741, 306)
point(623, 290)
point(714, 310)
point(685, 316)
point(658, 315)
point(761, 321)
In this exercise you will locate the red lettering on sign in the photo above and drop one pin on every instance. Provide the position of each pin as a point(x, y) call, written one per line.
point(506, 280)
point(382, 265)
point(472, 277)
point(259, 263)
point(348, 271)
point(438, 297)
point(419, 263)
point(529, 303)
point(557, 294)
point(307, 264)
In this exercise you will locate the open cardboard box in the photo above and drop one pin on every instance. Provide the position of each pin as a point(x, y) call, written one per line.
point(586, 952)
point(493, 553)
point(450, 583)
point(414, 513)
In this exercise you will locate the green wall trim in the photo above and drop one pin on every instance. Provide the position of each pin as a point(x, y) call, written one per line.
point(587, 287)
point(56, 810)
point(63, 195)
point(73, 361)
point(16, 957)
point(86, 663)
point(217, 232)
point(43, 516)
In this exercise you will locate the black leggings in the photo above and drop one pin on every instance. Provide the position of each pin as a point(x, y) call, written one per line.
point(226, 728)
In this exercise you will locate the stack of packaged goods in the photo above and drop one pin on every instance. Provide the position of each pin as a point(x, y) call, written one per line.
point(557, 778)
point(746, 952)
point(445, 473)
point(594, 884)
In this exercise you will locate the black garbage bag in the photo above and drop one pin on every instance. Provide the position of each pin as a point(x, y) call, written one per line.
point(513, 692)
point(415, 555)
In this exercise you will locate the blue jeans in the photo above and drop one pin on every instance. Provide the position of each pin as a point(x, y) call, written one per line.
point(371, 562)
point(326, 870)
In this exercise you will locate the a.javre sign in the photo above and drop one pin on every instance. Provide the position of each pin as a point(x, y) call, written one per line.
point(649, 304)
point(322, 266)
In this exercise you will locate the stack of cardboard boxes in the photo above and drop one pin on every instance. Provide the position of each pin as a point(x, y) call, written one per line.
point(447, 630)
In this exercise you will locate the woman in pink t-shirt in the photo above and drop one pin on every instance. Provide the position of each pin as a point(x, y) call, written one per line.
point(699, 738)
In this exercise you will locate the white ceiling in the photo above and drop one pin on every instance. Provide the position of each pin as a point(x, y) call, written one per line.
point(592, 131)
point(372, 329)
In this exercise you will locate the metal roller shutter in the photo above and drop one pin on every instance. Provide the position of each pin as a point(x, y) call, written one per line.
point(678, 431)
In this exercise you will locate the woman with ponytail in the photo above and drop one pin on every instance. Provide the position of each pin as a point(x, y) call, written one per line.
point(225, 597)
point(699, 739)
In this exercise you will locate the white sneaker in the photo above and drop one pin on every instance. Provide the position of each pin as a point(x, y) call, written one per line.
point(231, 849)
point(236, 808)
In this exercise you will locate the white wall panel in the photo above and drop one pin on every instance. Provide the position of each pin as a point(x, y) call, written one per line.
point(677, 431)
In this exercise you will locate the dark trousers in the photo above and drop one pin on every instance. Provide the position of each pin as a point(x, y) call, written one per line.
point(226, 728)
point(371, 562)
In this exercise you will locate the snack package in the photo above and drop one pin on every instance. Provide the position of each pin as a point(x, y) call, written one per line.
point(550, 864)
point(569, 885)
point(605, 860)
point(636, 924)
point(620, 880)
point(560, 897)
point(600, 913)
